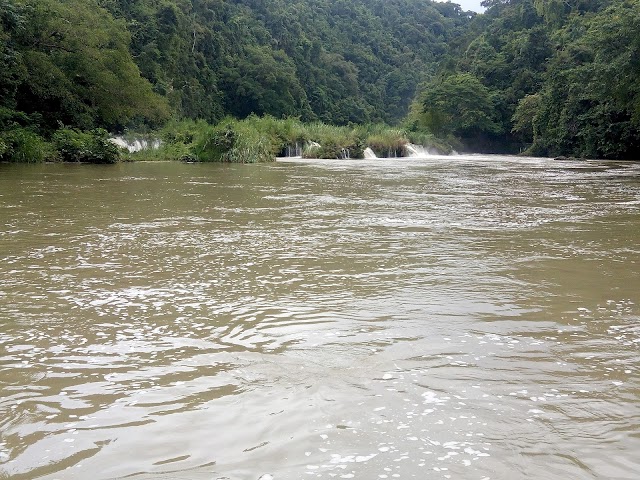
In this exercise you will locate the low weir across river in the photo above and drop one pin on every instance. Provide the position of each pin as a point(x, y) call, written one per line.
point(462, 317)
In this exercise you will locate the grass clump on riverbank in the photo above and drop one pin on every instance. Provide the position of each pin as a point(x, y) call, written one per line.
point(262, 139)
point(252, 140)
point(236, 141)
point(384, 141)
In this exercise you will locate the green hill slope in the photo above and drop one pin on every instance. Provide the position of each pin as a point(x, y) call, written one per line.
point(555, 77)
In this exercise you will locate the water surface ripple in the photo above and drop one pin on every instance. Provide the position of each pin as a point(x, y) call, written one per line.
point(463, 317)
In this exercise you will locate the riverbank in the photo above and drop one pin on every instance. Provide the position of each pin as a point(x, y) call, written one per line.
point(263, 139)
point(252, 140)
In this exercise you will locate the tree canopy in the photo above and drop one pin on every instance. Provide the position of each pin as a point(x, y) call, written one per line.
point(563, 76)
point(69, 63)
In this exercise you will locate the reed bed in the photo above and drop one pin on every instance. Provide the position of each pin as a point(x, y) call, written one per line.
point(262, 139)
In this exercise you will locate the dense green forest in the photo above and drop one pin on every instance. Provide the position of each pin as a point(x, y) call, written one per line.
point(552, 77)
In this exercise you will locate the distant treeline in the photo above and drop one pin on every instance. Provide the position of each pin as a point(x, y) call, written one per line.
point(551, 76)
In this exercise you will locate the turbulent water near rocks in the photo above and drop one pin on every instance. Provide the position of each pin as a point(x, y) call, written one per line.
point(447, 317)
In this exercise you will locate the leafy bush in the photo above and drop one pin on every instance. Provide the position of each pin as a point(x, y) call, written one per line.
point(24, 146)
point(87, 147)
point(174, 141)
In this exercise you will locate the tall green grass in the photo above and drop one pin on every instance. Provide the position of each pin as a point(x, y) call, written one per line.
point(385, 141)
point(262, 139)
point(22, 145)
point(237, 141)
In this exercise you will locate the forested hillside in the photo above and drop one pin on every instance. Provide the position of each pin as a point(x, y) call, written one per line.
point(556, 77)
point(337, 61)
point(559, 77)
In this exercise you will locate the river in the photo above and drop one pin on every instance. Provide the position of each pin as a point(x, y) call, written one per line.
point(441, 318)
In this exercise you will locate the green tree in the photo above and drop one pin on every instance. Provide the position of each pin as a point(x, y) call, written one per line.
point(590, 101)
point(365, 54)
point(11, 70)
point(524, 116)
point(80, 71)
point(263, 81)
point(460, 105)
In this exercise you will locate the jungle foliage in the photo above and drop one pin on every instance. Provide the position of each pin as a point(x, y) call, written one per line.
point(119, 64)
point(554, 77)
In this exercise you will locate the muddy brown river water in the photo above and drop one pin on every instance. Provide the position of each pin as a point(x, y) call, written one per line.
point(471, 318)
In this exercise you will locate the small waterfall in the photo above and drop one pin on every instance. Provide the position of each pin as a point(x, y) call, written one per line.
point(293, 151)
point(370, 154)
point(136, 144)
point(345, 154)
point(416, 151)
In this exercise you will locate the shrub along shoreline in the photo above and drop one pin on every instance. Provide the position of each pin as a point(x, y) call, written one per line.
point(251, 140)
point(263, 139)
point(22, 141)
